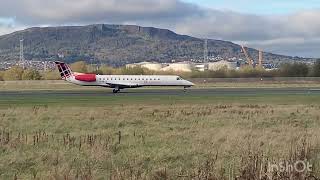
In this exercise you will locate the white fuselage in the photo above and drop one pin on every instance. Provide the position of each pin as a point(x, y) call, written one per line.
point(132, 81)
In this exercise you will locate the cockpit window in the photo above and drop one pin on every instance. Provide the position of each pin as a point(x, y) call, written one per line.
point(179, 78)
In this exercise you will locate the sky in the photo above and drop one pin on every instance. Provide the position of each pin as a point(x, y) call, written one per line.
point(288, 27)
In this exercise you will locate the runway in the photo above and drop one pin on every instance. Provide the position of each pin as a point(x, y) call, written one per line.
point(166, 92)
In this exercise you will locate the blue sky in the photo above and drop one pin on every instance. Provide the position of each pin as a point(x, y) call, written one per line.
point(259, 7)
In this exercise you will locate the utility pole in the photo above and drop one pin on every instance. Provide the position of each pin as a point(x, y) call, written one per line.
point(22, 54)
point(205, 51)
point(260, 58)
point(45, 66)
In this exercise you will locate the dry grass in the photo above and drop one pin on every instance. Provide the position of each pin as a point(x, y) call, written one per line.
point(257, 85)
point(36, 85)
point(165, 141)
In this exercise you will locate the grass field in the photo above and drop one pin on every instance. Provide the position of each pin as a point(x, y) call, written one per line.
point(156, 137)
point(62, 85)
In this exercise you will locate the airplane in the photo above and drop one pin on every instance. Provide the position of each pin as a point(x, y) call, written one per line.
point(118, 82)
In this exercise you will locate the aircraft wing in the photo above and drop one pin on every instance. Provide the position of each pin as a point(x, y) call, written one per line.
point(123, 85)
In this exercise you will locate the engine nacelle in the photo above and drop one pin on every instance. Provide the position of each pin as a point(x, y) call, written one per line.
point(86, 77)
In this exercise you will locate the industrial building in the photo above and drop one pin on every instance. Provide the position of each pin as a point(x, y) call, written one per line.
point(201, 66)
point(180, 67)
point(153, 66)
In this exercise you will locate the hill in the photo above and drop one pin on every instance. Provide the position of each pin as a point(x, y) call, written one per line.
point(116, 45)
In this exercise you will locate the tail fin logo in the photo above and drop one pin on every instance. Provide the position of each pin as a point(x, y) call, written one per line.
point(64, 70)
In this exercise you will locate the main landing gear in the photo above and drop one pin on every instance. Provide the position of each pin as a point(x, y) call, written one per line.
point(115, 91)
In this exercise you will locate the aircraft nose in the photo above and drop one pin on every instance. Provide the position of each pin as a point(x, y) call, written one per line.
point(190, 83)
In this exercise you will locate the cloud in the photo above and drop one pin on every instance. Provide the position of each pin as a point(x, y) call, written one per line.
point(7, 25)
point(91, 11)
point(292, 34)
point(5, 29)
point(236, 26)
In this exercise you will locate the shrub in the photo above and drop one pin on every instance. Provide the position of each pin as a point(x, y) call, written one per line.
point(134, 71)
point(52, 75)
point(79, 66)
point(31, 74)
point(294, 70)
point(1, 75)
point(107, 70)
point(316, 69)
point(14, 73)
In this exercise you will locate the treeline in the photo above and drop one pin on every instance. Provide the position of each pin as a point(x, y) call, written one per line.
point(286, 70)
point(18, 73)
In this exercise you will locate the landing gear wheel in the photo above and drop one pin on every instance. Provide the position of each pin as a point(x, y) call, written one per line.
point(115, 90)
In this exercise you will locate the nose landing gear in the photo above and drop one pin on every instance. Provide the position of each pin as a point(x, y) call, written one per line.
point(185, 89)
